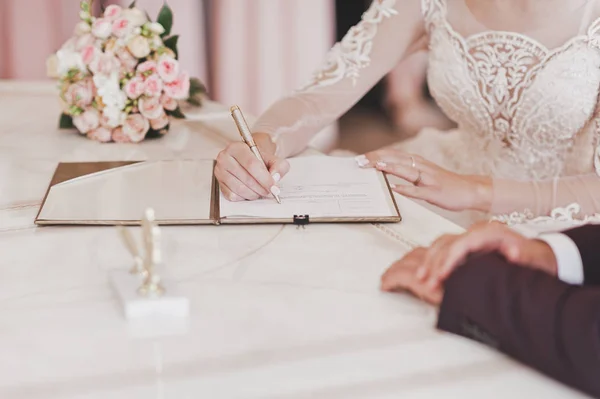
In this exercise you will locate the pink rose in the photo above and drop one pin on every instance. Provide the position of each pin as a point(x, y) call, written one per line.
point(136, 127)
point(80, 94)
point(100, 134)
point(151, 108)
point(112, 11)
point(168, 69)
point(84, 41)
point(104, 64)
point(119, 136)
point(168, 103)
point(159, 123)
point(147, 68)
point(128, 61)
point(135, 88)
point(122, 27)
point(179, 89)
point(154, 86)
point(89, 54)
point(89, 120)
point(102, 28)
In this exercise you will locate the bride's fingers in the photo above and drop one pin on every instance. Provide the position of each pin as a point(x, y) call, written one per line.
point(415, 192)
point(386, 155)
point(405, 171)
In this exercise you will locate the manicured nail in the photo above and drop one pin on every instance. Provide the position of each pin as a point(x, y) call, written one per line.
point(275, 190)
point(421, 273)
point(361, 160)
point(276, 177)
point(381, 164)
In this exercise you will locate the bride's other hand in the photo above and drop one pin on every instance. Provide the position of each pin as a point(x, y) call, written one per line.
point(243, 177)
point(431, 183)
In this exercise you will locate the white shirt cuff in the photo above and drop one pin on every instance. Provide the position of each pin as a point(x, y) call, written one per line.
point(568, 258)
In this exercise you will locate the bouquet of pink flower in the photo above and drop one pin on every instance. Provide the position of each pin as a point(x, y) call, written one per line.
point(119, 75)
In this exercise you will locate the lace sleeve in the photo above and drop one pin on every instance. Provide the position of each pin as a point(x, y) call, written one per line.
point(389, 30)
point(580, 193)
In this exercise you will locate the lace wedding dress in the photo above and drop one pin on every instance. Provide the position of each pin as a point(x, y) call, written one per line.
point(526, 104)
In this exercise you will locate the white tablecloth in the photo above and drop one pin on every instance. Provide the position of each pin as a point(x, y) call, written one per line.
point(277, 312)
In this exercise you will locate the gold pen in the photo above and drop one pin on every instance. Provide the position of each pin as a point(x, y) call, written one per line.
point(246, 134)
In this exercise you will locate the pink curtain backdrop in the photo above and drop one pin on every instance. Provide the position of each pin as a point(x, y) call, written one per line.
point(29, 31)
point(263, 49)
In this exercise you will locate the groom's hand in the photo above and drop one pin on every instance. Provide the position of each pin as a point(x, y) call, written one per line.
point(402, 276)
point(424, 270)
point(450, 251)
point(243, 177)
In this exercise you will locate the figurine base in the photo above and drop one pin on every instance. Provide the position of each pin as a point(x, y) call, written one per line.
point(136, 306)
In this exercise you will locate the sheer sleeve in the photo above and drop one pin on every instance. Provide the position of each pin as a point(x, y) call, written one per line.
point(388, 31)
point(541, 198)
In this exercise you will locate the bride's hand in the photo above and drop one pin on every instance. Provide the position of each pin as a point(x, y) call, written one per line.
point(431, 183)
point(243, 177)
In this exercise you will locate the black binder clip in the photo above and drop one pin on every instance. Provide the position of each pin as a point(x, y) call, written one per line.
point(301, 221)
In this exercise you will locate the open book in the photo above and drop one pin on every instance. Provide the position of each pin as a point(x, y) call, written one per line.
point(320, 189)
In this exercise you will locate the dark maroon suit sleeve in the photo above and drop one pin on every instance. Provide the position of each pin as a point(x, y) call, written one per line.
point(530, 315)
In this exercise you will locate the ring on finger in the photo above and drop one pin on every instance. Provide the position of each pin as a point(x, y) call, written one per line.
point(418, 179)
point(413, 165)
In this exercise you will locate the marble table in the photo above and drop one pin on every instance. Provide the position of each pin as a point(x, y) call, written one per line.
point(277, 312)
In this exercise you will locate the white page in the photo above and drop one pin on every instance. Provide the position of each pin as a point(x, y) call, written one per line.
point(321, 187)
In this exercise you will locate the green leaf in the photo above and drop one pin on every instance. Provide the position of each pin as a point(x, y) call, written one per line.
point(155, 134)
point(165, 18)
point(196, 87)
point(177, 113)
point(132, 5)
point(195, 101)
point(171, 43)
point(66, 122)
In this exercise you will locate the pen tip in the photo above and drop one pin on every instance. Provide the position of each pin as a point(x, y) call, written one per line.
point(278, 199)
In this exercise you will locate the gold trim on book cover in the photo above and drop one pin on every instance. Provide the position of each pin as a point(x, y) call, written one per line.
point(215, 203)
point(393, 197)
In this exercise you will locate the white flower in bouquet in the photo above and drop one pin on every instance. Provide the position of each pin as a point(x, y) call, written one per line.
point(139, 47)
point(69, 60)
point(102, 28)
point(114, 116)
point(120, 79)
point(82, 28)
point(156, 28)
point(135, 16)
